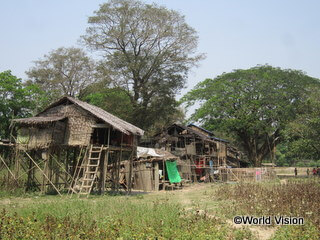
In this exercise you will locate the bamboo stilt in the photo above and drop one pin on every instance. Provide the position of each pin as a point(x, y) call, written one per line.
point(11, 173)
point(43, 173)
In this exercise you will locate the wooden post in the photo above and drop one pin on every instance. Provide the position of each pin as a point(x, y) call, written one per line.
point(104, 171)
point(156, 176)
point(113, 172)
point(57, 168)
point(105, 164)
point(45, 156)
point(17, 162)
point(164, 175)
point(133, 154)
point(119, 164)
point(66, 162)
point(74, 160)
point(29, 175)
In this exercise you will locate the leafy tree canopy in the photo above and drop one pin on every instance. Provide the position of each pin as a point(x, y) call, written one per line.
point(113, 100)
point(252, 105)
point(148, 51)
point(16, 100)
point(116, 101)
point(303, 134)
point(64, 71)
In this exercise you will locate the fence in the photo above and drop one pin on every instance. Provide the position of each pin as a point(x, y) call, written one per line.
point(247, 174)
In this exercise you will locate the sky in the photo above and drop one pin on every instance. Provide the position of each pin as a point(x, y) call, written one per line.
point(234, 34)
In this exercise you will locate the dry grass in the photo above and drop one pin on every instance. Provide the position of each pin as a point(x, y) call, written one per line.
point(294, 198)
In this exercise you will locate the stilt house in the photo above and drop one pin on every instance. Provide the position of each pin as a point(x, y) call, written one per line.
point(76, 146)
point(231, 153)
point(202, 153)
point(199, 148)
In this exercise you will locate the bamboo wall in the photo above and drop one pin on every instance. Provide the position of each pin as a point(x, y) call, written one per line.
point(40, 136)
point(79, 124)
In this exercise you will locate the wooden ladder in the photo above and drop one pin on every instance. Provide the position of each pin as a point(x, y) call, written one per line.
point(90, 167)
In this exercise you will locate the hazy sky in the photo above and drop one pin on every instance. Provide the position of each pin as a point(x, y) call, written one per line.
point(232, 33)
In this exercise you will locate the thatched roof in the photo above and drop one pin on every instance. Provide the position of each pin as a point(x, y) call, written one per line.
point(210, 134)
point(101, 114)
point(114, 121)
point(38, 120)
point(188, 132)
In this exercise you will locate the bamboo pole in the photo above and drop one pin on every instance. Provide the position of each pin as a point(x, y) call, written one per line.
point(8, 168)
point(118, 164)
point(43, 173)
point(44, 181)
point(17, 162)
point(26, 171)
point(75, 174)
point(105, 164)
point(29, 175)
point(129, 186)
point(63, 169)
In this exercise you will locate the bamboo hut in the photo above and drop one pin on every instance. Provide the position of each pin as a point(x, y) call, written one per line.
point(74, 145)
point(200, 149)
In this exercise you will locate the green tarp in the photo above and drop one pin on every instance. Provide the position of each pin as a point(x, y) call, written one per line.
point(172, 170)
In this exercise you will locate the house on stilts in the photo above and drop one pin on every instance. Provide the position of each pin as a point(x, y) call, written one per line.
point(198, 148)
point(76, 147)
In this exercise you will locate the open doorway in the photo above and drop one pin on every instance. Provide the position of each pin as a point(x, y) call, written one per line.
point(100, 136)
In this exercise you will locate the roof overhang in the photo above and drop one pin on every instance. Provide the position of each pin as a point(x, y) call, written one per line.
point(38, 120)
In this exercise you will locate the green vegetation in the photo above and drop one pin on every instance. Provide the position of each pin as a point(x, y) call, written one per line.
point(109, 217)
point(253, 105)
point(203, 211)
point(303, 134)
point(16, 100)
point(148, 51)
point(64, 71)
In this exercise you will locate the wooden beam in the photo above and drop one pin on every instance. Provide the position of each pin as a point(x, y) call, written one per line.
point(100, 125)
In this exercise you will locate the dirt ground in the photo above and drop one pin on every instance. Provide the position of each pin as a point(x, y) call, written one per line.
point(198, 199)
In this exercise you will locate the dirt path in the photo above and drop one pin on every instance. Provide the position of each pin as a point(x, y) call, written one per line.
point(198, 199)
point(262, 233)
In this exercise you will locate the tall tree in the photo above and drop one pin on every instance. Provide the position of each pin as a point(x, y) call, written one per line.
point(16, 100)
point(253, 105)
point(64, 71)
point(113, 100)
point(116, 101)
point(303, 134)
point(148, 51)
